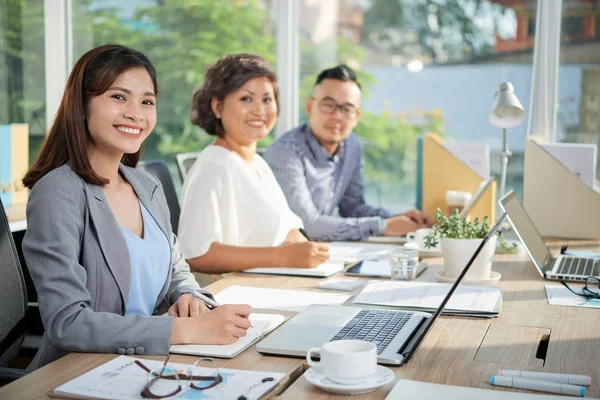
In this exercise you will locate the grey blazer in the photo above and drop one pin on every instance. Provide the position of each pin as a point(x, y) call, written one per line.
point(79, 263)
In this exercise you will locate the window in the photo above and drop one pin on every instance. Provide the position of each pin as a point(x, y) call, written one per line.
point(578, 116)
point(426, 66)
point(22, 72)
point(181, 38)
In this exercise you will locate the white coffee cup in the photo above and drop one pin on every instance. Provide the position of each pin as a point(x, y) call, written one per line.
point(345, 361)
point(418, 237)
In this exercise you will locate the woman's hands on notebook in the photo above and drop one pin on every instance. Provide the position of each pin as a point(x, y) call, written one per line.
point(187, 306)
point(303, 254)
point(223, 325)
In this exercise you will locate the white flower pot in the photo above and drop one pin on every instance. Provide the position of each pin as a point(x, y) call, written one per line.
point(458, 252)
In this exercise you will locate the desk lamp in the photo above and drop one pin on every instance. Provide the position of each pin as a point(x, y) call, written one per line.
point(507, 112)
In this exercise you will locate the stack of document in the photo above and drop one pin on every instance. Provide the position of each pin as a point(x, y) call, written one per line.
point(471, 301)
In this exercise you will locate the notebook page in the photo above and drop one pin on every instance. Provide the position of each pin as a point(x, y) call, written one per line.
point(261, 324)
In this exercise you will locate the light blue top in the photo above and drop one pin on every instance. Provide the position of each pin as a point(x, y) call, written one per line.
point(150, 259)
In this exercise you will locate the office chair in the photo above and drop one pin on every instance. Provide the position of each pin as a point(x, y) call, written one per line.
point(13, 302)
point(185, 162)
point(160, 170)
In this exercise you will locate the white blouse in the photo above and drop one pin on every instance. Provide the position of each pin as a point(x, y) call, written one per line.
point(224, 201)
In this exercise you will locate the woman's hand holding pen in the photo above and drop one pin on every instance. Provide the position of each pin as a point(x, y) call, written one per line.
point(222, 325)
point(303, 254)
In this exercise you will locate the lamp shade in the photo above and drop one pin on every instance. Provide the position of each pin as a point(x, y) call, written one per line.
point(507, 111)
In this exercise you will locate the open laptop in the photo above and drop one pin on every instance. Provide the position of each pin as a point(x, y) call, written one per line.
point(397, 334)
point(560, 267)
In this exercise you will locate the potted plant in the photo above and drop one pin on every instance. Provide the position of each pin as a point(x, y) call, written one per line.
point(459, 239)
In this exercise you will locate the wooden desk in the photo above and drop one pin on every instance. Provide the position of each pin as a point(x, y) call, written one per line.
point(457, 351)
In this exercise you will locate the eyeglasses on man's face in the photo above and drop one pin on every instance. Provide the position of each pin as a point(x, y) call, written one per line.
point(327, 105)
point(591, 290)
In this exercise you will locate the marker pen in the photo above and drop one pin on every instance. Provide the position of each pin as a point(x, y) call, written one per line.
point(571, 379)
point(541, 386)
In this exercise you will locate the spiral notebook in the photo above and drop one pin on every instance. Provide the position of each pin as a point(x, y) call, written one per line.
point(262, 324)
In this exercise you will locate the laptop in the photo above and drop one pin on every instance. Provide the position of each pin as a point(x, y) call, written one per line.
point(560, 267)
point(397, 334)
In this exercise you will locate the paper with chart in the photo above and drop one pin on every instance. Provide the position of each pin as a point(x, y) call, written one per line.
point(277, 299)
point(261, 325)
point(123, 379)
point(558, 295)
point(427, 296)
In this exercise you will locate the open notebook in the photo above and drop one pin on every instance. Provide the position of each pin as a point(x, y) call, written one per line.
point(320, 271)
point(262, 324)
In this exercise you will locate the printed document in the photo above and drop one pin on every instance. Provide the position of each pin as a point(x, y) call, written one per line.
point(427, 296)
point(558, 295)
point(123, 379)
point(277, 299)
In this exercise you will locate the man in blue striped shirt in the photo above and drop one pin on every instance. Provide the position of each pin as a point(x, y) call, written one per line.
point(319, 167)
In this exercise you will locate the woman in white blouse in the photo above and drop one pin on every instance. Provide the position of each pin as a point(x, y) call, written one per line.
point(234, 214)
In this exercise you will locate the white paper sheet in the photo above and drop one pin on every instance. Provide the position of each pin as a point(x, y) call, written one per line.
point(277, 299)
point(475, 155)
point(357, 251)
point(558, 295)
point(429, 296)
point(122, 379)
point(579, 158)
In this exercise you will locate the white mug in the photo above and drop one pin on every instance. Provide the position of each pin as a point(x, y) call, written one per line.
point(418, 237)
point(346, 361)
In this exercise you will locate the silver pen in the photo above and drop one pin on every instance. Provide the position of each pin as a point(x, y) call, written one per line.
point(212, 304)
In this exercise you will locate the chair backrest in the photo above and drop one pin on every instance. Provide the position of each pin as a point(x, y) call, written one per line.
point(185, 162)
point(13, 301)
point(160, 170)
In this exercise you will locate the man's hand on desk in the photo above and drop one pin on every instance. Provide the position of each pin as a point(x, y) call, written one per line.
point(419, 217)
point(400, 225)
point(223, 325)
point(303, 255)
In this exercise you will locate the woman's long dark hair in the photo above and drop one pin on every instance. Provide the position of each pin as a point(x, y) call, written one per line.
point(67, 140)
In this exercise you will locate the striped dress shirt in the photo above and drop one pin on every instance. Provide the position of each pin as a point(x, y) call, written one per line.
point(325, 190)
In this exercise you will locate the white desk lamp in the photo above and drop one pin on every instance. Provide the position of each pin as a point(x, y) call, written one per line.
point(507, 112)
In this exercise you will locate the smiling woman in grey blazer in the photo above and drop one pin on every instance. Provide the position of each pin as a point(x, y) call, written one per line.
point(98, 244)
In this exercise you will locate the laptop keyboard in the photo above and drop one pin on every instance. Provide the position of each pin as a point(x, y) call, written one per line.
point(377, 326)
point(578, 266)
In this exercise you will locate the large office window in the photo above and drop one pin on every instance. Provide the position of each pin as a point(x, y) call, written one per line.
point(578, 114)
point(427, 66)
point(22, 79)
point(181, 38)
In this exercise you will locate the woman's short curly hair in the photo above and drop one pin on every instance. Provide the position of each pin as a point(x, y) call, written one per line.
point(228, 75)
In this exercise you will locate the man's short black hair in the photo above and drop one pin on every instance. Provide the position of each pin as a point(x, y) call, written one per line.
point(341, 72)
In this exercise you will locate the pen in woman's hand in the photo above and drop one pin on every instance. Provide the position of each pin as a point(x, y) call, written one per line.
point(210, 303)
point(303, 232)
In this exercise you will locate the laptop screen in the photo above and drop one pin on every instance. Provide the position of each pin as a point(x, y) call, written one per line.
point(525, 229)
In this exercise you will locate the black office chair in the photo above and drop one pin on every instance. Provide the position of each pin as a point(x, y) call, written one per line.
point(160, 170)
point(185, 161)
point(13, 302)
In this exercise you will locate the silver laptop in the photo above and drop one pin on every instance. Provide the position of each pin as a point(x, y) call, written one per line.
point(397, 334)
point(560, 267)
